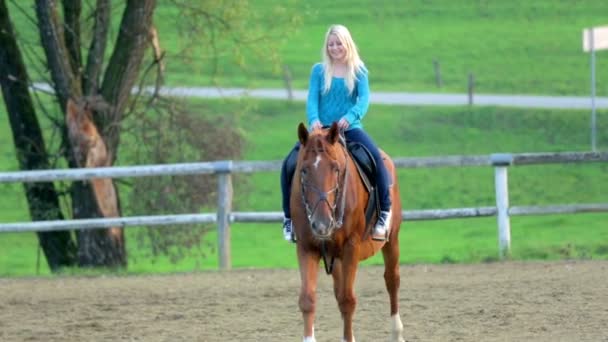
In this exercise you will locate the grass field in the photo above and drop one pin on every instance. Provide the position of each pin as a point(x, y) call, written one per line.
point(528, 47)
point(523, 47)
point(403, 131)
point(511, 47)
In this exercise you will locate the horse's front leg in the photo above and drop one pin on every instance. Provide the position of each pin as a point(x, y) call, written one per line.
point(346, 294)
point(309, 266)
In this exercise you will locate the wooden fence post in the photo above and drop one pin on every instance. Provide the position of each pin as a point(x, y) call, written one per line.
point(438, 79)
point(224, 208)
point(471, 88)
point(288, 81)
point(501, 162)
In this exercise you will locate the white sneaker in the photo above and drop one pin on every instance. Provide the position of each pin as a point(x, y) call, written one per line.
point(287, 229)
point(382, 226)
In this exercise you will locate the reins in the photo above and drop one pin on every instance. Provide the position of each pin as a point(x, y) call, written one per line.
point(330, 268)
point(340, 220)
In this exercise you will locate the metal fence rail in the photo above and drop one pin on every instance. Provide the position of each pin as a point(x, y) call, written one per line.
point(224, 215)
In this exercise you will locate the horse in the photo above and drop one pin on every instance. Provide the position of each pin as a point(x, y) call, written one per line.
point(328, 201)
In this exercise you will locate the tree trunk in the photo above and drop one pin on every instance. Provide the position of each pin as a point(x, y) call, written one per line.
point(97, 247)
point(123, 69)
point(97, 48)
point(43, 201)
point(100, 247)
point(103, 247)
point(57, 55)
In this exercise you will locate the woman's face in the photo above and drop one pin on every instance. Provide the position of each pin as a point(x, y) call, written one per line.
point(335, 49)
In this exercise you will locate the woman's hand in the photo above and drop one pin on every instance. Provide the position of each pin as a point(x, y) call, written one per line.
point(316, 125)
point(343, 124)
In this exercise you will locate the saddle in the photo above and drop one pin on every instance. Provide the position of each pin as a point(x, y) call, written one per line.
point(367, 169)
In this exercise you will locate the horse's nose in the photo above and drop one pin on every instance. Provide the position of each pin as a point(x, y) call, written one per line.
point(320, 228)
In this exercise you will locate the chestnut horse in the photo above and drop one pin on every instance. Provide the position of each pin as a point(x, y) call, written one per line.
point(328, 201)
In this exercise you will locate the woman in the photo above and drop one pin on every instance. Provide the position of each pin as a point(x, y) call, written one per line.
point(339, 92)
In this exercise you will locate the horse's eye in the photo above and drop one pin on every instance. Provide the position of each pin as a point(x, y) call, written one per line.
point(304, 171)
point(335, 167)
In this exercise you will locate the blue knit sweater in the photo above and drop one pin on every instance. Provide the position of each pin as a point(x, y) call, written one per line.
point(337, 103)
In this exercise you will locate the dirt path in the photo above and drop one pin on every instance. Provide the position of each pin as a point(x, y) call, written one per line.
point(565, 301)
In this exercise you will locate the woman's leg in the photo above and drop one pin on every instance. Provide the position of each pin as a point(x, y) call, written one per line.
point(382, 179)
point(381, 228)
point(288, 169)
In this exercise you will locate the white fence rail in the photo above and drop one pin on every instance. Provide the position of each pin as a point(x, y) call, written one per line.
point(224, 215)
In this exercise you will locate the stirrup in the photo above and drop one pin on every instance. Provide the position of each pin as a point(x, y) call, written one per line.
point(288, 230)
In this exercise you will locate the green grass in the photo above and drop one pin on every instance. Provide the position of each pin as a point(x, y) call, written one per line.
point(529, 47)
point(449, 241)
point(401, 131)
point(524, 47)
point(519, 46)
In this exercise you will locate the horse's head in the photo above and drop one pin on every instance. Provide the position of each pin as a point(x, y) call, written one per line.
point(323, 179)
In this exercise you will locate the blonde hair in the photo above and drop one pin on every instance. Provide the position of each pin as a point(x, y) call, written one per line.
point(354, 64)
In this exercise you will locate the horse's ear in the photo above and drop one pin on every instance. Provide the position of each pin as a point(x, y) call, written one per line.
point(302, 133)
point(334, 132)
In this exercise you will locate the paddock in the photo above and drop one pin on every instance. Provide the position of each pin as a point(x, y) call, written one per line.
point(503, 301)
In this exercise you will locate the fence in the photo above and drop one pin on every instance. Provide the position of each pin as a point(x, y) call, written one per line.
point(224, 215)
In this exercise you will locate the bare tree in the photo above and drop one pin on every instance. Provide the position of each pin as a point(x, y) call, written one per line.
point(99, 247)
point(93, 74)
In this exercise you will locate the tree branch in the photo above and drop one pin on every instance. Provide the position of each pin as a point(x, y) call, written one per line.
point(97, 48)
point(123, 68)
point(51, 37)
point(71, 13)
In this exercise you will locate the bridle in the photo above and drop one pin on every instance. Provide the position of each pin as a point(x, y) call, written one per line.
point(337, 208)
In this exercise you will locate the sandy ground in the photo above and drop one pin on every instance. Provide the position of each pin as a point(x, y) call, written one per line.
point(562, 301)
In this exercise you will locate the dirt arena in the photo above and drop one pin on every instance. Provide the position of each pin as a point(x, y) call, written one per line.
point(564, 301)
